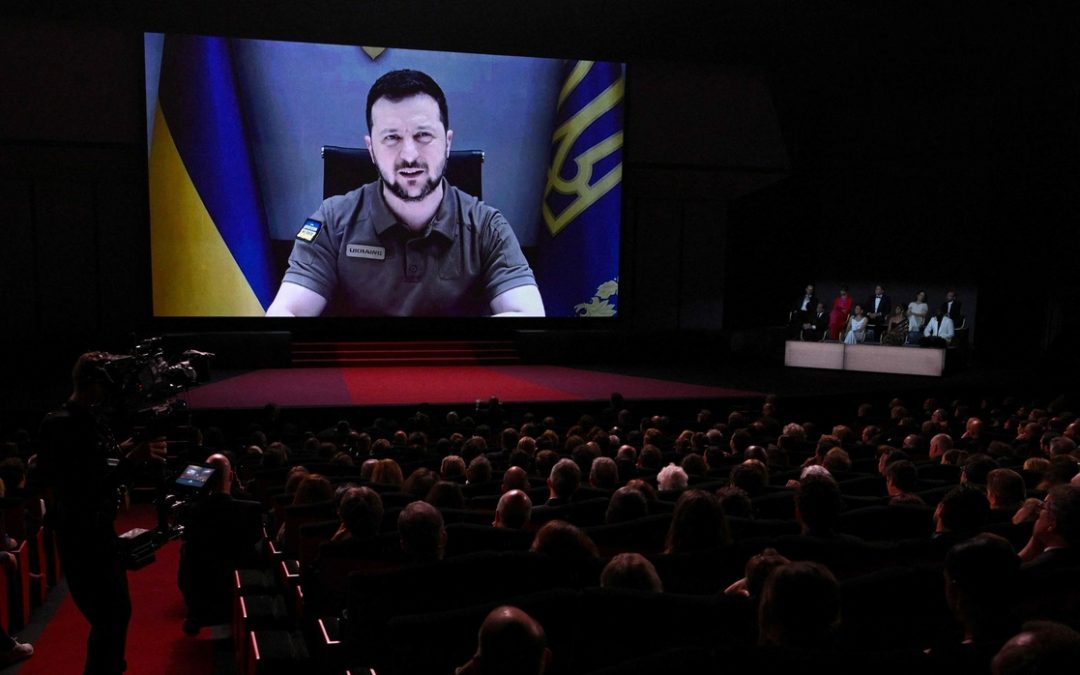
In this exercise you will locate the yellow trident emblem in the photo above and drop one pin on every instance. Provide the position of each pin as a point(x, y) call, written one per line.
point(582, 187)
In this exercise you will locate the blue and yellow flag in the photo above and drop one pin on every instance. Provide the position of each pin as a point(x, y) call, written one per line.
point(210, 243)
point(578, 258)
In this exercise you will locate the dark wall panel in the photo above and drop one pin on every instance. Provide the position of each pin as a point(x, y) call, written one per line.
point(69, 287)
point(18, 275)
point(658, 226)
point(701, 304)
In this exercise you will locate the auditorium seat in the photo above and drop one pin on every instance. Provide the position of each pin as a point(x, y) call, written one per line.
point(642, 535)
point(887, 523)
point(463, 537)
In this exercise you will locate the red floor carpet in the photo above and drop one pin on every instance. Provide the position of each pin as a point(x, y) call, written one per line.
point(155, 643)
point(314, 387)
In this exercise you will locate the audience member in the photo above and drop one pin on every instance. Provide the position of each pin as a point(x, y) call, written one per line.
point(672, 479)
point(1040, 648)
point(817, 506)
point(631, 571)
point(800, 607)
point(563, 482)
point(698, 524)
point(626, 504)
point(220, 536)
point(446, 494)
point(563, 541)
point(423, 536)
point(513, 510)
point(1055, 537)
point(510, 643)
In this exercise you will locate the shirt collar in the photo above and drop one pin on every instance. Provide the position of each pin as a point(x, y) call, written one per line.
point(383, 218)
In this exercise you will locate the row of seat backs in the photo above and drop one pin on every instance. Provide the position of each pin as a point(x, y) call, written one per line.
point(585, 628)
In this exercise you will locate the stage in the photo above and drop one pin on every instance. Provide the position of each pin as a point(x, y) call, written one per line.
point(410, 385)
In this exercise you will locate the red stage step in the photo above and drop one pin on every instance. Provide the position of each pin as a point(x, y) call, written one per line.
point(412, 353)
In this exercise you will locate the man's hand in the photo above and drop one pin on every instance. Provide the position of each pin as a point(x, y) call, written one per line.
point(1028, 511)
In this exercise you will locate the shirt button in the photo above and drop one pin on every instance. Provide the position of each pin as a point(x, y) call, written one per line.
point(412, 268)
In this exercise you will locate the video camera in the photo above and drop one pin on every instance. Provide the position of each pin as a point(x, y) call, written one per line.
point(146, 381)
point(138, 544)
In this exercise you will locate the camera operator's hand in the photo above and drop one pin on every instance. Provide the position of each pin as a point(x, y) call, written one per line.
point(155, 449)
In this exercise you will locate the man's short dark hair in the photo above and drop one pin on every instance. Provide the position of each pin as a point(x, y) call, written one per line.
point(748, 478)
point(735, 502)
point(650, 458)
point(1061, 470)
point(1007, 486)
point(604, 473)
point(977, 467)
point(904, 475)
point(420, 526)
point(565, 478)
point(983, 574)
point(398, 85)
point(479, 470)
point(1064, 507)
point(964, 509)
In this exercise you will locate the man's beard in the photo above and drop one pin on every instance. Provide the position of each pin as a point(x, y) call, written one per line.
point(429, 186)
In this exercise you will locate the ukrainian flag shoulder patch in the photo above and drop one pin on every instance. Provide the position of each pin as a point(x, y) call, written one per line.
point(310, 230)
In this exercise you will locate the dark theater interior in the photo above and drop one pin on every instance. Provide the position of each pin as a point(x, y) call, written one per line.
point(784, 372)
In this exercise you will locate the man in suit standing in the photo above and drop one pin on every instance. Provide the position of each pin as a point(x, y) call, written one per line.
point(220, 535)
point(952, 307)
point(802, 309)
point(878, 307)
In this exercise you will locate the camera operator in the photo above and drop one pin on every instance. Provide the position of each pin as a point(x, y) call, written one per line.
point(82, 468)
point(220, 534)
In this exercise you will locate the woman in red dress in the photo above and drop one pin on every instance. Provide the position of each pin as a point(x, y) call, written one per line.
point(841, 308)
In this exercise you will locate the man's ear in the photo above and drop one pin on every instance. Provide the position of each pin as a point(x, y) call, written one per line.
point(367, 142)
point(449, 140)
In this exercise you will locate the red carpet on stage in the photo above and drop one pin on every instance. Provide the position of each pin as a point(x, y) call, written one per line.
point(155, 642)
point(315, 387)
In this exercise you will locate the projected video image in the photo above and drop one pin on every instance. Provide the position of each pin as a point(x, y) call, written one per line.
point(298, 179)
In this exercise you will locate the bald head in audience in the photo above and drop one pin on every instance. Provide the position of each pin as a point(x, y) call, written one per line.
point(515, 478)
point(513, 510)
point(510, 643)
point(222, 478)
point(1040, 648)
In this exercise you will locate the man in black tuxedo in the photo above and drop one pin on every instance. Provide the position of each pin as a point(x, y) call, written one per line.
point(220, 535)
point(877, 307)
point(802, 310)
point(952, 307)
point(815, 325)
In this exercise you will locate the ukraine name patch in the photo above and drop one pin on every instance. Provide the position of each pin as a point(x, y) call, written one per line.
point(310, 230)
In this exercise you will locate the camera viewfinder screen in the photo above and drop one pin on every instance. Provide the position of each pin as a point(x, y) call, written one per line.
point(195, 476)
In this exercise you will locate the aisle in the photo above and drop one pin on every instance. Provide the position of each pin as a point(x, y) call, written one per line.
point(156, 645)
